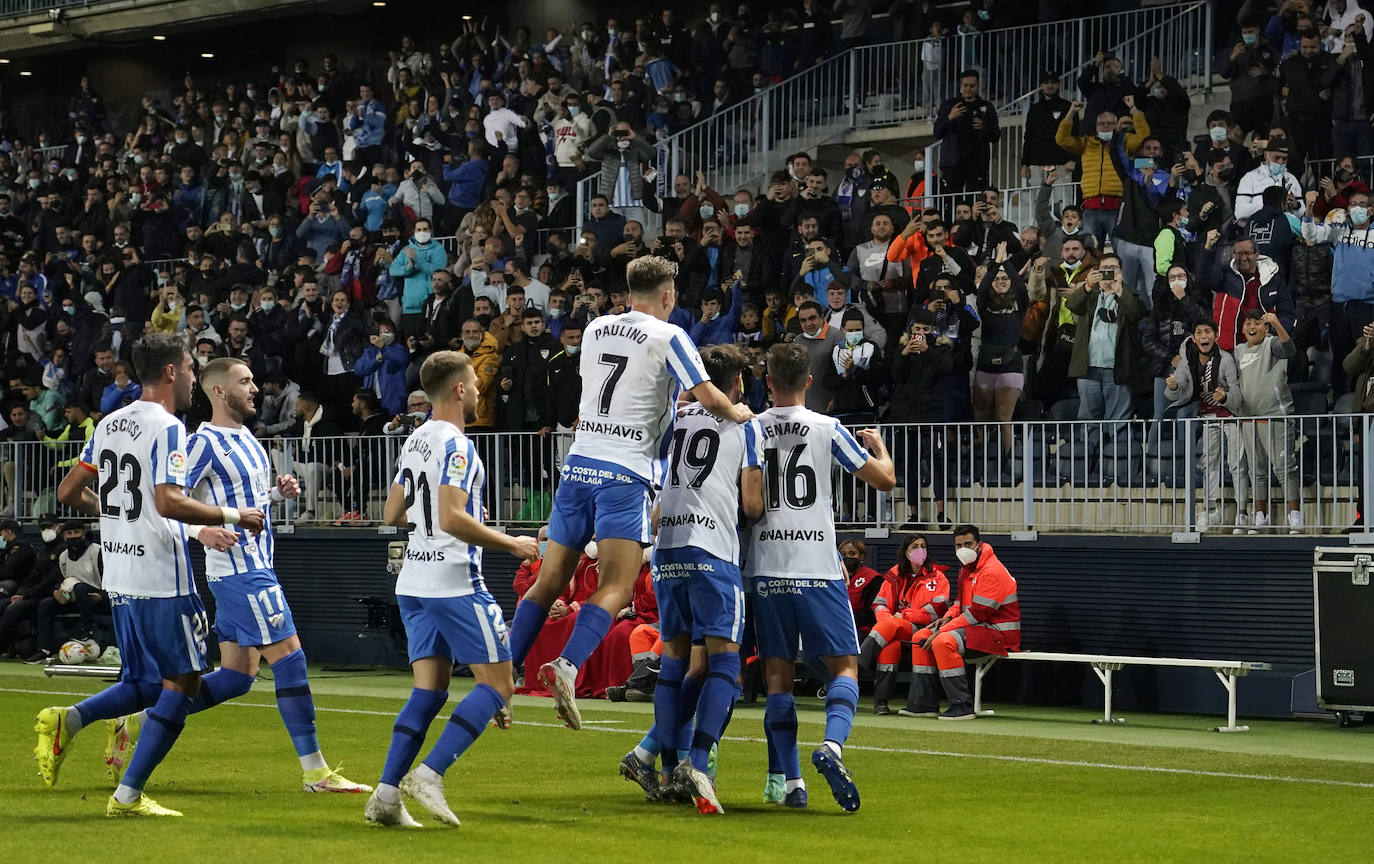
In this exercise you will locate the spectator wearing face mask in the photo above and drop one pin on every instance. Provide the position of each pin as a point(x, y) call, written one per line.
point(1273, 171)
point(1105, 87)
point(1101, 183)
point(1054, 231)
point(856, 375)
point(1179, 305)
point(382, 368)
point(79, 565)
point(34, 586)
point(913, 594)
point(1166, 106)
point(1337, 190)
point(1352, 282)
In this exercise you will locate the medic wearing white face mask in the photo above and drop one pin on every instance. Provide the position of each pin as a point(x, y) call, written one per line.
point(915, 593)
point(986, 618)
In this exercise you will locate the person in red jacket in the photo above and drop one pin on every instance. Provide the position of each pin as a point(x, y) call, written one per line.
point(986, 619)
point(914, 593)
point(863, 582)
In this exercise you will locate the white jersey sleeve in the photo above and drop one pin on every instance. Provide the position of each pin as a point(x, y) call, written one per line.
point(699, 505)
point(439, 564)
point(133, 451)
point(633, 366)
point(795, 537)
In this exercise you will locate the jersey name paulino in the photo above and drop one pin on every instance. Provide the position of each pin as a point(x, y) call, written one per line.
point(795, 538)
point(133, 451)
point(437, 564)
point(633, 366)
point(699, 504)
point(229, 468)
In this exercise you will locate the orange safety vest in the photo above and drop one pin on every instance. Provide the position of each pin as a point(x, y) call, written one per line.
point(988, 609)
point(919, 598)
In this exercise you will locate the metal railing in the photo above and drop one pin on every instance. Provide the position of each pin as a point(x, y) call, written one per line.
point(905, 81)
point(1018, 204)
point(16, 8)
point(1127, 476)
point(883, 85)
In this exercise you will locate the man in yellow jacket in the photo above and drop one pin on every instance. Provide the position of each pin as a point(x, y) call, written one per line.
point(485, 352)
point(1101, 183)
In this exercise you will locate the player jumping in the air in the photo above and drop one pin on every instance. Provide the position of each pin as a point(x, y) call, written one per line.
point(632, 368)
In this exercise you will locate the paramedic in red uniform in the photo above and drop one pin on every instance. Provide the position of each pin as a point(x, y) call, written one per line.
point(914, 593)
point(986, 619)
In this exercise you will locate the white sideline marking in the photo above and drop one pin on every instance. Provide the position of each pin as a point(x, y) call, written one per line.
point(999, 757)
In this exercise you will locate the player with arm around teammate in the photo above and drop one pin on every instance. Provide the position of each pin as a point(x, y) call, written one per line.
point(632, 366)
point(450, 616)
point(715, 472)
point(137, 458)
point(226, 466)
point(799, 583)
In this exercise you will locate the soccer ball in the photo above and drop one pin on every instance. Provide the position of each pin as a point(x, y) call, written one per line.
point(73, 652)
point(92, 648)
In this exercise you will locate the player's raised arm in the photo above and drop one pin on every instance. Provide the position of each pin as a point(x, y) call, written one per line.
point(710, 398)
point(877, 471)
point(454, 519)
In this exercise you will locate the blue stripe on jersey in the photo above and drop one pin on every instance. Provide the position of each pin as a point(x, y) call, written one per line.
point(846, 450)
point(685, 371)
point(752, 435)
point(659, 470)
point(236, 447)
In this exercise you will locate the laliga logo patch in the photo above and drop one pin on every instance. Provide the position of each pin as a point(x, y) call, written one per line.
point(176, 462)
point(457, 465)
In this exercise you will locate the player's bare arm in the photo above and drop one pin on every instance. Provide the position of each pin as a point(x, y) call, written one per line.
point(75, 490)
point(720, 406)
point(878, 471)
point(454, 519)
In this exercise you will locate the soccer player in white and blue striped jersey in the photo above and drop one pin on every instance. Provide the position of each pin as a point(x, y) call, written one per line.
point(227, 467)
point(136, 458)
point(450, 616)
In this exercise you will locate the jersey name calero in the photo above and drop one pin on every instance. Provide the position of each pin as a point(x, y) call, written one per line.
point(795, 538)
point(437, 563)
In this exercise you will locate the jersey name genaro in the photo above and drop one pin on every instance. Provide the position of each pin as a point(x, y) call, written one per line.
point(795, 538)
point(229, 468)
point(133, 451)
point(632, 367)
point(438, 564)
point(700, 500)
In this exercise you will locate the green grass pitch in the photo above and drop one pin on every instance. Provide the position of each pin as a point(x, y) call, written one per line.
point(1029, 785)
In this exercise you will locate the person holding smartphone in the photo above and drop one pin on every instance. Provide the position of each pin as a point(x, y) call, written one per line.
point(1106, 345)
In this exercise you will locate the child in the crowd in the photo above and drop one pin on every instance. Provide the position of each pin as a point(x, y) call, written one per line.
point(1206, 374)
point(749, 327)
point(777, 314)
point(1262, 364)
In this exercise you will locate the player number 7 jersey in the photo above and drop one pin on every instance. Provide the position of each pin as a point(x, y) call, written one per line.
point(632, 368)
point(795, 537)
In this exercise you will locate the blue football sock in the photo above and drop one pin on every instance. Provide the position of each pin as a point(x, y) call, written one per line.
point(464, 726)
point(409, 732)
point(647, 748)
point(717, 698)
point(295, 702)
point(840, 701)
point(774, 762)
point(524, 629)
point(591, 627)
point(666, 697)
point(782, 714)
point(126, 697)
point(687, 715)
point(219, 686)
point(165, 721)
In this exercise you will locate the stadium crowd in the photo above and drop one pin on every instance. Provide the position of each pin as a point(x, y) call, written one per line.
point(334, 226)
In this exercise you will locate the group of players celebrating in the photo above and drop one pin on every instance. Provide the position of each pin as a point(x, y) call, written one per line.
point(655, 415)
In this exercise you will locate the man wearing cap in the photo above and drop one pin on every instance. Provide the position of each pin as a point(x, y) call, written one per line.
point(1038, 147)
point(1273, 171)
point(502, 125)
